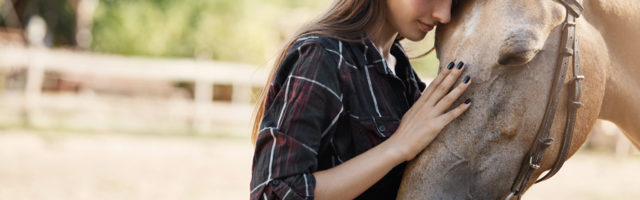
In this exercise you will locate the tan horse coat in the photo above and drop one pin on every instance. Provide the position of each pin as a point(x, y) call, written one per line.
point(510, 47)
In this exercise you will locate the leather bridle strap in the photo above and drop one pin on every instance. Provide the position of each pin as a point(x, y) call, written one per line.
point(568, 49)
point(573, 104)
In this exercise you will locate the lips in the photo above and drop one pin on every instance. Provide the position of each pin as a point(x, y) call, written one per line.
point(424, 26)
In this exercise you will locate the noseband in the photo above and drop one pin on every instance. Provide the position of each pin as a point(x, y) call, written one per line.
point(568, 49)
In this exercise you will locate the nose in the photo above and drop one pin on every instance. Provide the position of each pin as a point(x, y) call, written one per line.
point(442, 12)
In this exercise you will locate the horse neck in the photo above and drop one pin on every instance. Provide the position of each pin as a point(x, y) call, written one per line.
point(618, 21)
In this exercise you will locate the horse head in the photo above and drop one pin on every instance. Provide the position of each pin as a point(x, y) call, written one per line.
point(509, 48)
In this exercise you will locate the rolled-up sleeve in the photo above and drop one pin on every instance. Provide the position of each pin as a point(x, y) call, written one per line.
point(303, 103)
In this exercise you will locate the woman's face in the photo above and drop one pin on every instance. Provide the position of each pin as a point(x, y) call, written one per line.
point(414, 18)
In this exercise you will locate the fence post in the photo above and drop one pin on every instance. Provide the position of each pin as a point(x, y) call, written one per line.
point(84, 21)
point(203, 95)
point(36, 32)
point(241, 94)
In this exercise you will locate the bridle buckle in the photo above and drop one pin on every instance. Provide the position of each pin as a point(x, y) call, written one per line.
point(534, 166)
point(576, 104)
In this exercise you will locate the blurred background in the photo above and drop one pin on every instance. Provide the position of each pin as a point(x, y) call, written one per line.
point(152, 99)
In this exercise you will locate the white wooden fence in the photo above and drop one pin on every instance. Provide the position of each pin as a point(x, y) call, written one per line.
point(201, 113)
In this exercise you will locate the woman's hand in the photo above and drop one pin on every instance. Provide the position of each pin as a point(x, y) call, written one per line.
point(427, 117)
point(419, 126)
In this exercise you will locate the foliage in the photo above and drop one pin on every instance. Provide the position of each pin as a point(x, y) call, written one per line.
point(229, 30)
point(58, 14)
point(248, 31)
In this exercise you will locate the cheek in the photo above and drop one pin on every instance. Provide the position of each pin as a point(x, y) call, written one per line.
point(423, 8)
point(404, 12)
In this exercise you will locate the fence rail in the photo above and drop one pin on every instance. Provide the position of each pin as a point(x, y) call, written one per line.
point(204, 113)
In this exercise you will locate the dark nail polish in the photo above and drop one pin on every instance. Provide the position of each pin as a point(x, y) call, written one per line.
point(466, 79)
point(450, 66)
point(468, 101)
point(460, 64)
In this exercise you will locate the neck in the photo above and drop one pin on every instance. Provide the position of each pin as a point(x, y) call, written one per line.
point(383, 37)
point(618, 23)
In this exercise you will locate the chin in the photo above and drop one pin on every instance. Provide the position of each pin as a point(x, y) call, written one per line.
point(415, 37)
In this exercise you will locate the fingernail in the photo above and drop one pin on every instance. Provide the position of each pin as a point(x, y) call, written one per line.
point(468, 101)
point(450, 66)
point(460, 65)
point(466, 79)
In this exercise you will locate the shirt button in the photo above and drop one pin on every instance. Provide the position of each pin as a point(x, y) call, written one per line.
point(275, 182)
point(381, 128)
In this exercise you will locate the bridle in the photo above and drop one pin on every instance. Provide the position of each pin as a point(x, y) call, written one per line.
point(568, 49)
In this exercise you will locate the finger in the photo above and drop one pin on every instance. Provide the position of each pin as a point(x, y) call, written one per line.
point(443, 88)
point(443, 73)
point(450, 98)
point(455, 113)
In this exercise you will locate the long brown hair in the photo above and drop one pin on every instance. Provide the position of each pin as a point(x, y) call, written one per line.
point(344, 20)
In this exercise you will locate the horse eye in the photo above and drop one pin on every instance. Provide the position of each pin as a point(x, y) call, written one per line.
point(519, 48)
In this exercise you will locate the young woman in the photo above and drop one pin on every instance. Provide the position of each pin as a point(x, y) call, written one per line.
point(344, 110)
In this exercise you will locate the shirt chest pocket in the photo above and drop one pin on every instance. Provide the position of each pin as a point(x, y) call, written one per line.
point(363, 134)
point(381, 127)
point(365, 120)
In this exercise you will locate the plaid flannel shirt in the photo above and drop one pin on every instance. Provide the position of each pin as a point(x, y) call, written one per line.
point(329, 101)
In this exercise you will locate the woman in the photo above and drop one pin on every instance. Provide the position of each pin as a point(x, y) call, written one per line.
point(344, 109)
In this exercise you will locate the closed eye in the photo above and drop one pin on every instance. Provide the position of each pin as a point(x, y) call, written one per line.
point(455, 5)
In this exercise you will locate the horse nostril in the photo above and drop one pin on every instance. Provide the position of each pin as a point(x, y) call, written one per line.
point(515, 58)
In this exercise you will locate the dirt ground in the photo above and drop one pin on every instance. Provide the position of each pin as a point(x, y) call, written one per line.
point(50, 165)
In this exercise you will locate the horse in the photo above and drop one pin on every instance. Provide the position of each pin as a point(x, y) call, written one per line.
point(509, 48)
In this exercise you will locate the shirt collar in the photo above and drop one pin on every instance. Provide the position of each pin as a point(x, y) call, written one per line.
point(373, 57)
